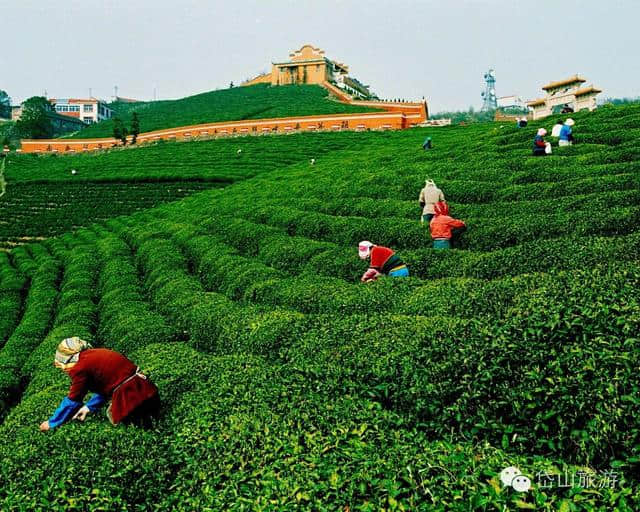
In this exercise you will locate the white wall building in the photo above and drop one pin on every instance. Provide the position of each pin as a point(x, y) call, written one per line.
point(88, 110)
point(511, 101)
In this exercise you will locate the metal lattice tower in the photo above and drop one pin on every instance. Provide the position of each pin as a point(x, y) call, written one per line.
point(489, 101)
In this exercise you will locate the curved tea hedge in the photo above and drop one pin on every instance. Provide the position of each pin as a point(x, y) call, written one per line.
point(289, 385)
point(45, 199)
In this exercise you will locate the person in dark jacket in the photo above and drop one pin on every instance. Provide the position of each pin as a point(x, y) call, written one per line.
point(427, 144)
point(540, 147)
point(110, 376)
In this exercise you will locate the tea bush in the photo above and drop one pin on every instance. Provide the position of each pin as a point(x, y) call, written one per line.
point(12, 283)
point(289, 385)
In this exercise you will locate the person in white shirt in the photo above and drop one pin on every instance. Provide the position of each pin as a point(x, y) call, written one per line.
point(429, 196)
point(555, 131)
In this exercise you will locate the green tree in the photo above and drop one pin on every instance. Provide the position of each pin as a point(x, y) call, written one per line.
point(135, 127)
point(5, 105)
point(119, 130)
point(9, 135)
point(35, 121)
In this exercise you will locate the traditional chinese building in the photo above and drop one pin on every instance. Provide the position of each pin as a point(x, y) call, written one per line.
point(309, 65)
point(570, 92)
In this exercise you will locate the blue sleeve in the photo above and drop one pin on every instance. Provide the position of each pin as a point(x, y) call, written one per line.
point(95, 402)
point(65, 410)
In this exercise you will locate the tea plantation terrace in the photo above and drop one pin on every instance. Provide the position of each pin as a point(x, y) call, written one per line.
point(288, 385)
point(43, 197)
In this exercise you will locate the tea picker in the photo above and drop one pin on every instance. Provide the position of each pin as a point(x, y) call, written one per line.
point(427, 144)
point(383, 261)
point(540, 147)
point(110, 376)
point(566, 135)
point(428, 197)
point(445, 230)
point(555, 131)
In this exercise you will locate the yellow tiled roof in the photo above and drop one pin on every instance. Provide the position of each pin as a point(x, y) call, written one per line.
point(573, 79)
point(533, 103)
point(587, 90)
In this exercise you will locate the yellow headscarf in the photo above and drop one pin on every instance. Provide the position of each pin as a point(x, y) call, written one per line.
point(68, 352)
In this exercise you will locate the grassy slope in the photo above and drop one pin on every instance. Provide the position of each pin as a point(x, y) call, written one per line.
point(288, 385)
point(253, 102)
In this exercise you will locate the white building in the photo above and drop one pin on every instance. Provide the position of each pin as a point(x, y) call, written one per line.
point(88, 110)
point(511, 102)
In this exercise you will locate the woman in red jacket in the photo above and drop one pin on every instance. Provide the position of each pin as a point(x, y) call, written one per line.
point(383, 261)
point(444, 229)
point(110, 376)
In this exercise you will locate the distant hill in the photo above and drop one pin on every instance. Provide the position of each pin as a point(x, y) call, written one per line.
point(255, 102)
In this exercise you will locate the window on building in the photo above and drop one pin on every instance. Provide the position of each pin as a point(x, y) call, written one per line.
point(87, 120)
point(58, 108)
point(87, 108)
point(74, 108)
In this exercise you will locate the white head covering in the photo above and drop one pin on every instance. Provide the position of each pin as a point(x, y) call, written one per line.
point(68, 352)
point(429, 183)
point(569, 122)
point(542, 132)
point(364, 249)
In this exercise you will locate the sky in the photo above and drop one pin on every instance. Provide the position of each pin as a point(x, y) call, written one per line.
point(407, 49)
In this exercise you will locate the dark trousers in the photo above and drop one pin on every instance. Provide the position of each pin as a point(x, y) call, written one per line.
point(456, 233)
point(144, 415)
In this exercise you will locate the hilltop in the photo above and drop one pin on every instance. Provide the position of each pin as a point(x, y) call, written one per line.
point(253, 102)
point(287, 384)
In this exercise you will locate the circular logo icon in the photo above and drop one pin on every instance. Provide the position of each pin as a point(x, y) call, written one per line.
point(521, 483)
point(508, 474)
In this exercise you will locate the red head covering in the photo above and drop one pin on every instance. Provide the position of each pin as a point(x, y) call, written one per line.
point(441, 208)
